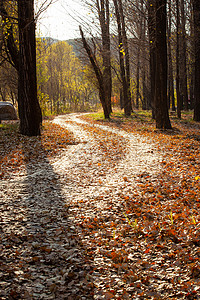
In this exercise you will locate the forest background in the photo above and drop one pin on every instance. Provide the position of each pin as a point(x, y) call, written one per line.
point(136, 55)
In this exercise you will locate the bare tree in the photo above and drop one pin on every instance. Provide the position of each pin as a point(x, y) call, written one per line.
point(152, 51)
point(98, 74)
point(171, 99)
point(123, 56)
point(102, 71)
point(104, 19)
point(183, 56)
point(178, 96)
point(161, 107)
point(125, 88)
point(196, 12)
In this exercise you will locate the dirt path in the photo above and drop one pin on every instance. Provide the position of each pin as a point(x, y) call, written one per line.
point(141, 156)
point(94, 186)
point(87, 174)
point(51, 210)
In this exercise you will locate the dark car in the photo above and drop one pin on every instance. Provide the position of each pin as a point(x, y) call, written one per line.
point(7, 111)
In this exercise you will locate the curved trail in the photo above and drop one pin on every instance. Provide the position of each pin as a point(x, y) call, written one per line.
point(141, 156)
point(92, 186)
point(44, 207)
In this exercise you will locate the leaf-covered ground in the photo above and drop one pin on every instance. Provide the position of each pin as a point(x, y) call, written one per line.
point(108, 212)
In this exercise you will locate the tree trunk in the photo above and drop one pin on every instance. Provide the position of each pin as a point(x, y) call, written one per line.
point(104, 17)
point(128, 105)
point(162, 115)
point(171, 100)
point(152, 50)
point(191, 58)
point(196, 11)
point(125, 87)
point(143, 61)
point(98, 74)
point(184, 90)
point(29, 109)
point(138, 80)
point(178, 96)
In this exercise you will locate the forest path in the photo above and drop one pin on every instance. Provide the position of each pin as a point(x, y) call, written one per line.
point(50, 213)
point(141, 154)
point(89, 173)
point(112, 216)
point(95, 181)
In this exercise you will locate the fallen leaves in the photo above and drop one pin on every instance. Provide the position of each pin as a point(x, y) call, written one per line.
point(17, 150)
point(166, 208)
point(117, 217)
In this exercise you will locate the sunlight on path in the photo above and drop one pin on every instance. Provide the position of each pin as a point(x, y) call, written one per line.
point(141, 155)
point(87, 174)
point(93, 222)
point(91, 185)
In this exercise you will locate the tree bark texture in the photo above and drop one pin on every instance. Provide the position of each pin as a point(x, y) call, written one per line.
point(143, 61)
point(152, 51)
point(178, 96)
point(191, 55)
point(138, 78)
point(128, 104)
point(171, 99)
point(104, 18)
point(98, 74)
point(196, 12)
point(162, 115)
point(29, 109)
point(184, 90)
point(122, 53)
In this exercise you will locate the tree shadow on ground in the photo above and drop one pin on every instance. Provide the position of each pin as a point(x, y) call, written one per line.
point(50, 259)
point(121, 120)
point(195, 137)
point(170, 132)
point(179, 132)
point(8, 134)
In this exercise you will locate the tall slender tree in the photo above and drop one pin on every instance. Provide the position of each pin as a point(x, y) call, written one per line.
point(145, 102)
point(127, 106)
point(24, 61)
point(123, 57)
point(183, 51)
point(103, 8)
point(102, 66)
point(171, 99)
point(152, 51)
point(178, 96)
point(29, 109)
point(196, 13)
point(98, 73)
point(161, 107)
point(191, 53)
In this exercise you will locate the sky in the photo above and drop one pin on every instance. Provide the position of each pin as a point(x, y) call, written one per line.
point(61, 20)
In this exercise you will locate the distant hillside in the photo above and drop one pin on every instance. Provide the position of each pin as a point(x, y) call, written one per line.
point(49, 40)
point(75, 43)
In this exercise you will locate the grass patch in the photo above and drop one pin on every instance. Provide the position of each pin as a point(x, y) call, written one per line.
point(99, 116)
point(9, 127)
point(118, 117)
point(141, 116)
